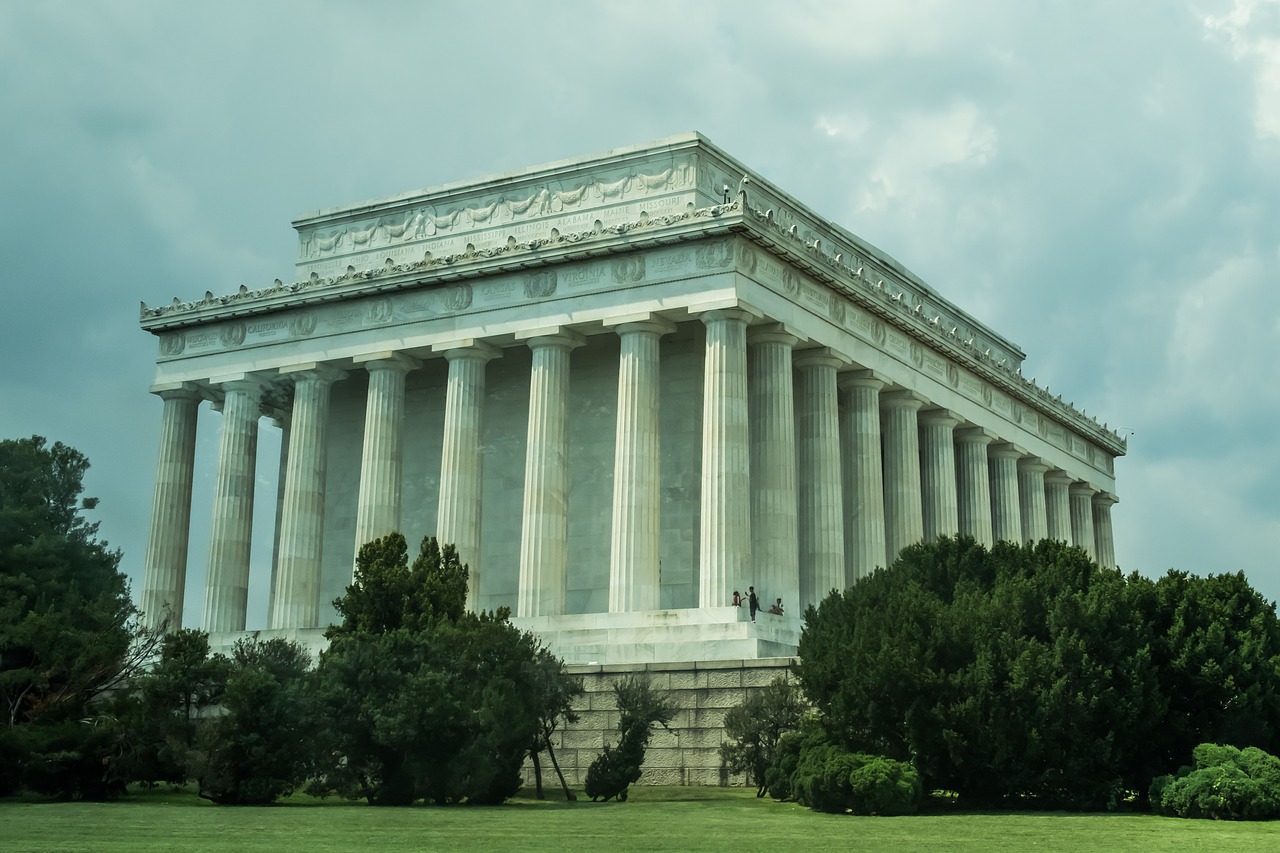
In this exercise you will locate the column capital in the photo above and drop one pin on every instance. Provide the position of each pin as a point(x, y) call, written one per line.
point(177, 391)
point(901, 399)
point(820, 357)
point(1058, 477)
point(387, 360)
point(740, 314)
point(975, 435)
point(1081, 489)
point(654, 326)
point(1033, 465)
point(772, 333)
point(1007, 450)
point(244, 383)
point(563, 339)
point(639, 321)
point(862, 379)
point(1105, 499)
point(939, 417)
point(314, 370)
point(467, 348)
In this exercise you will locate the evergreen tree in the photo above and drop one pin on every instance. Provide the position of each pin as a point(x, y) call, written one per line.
point(756, 726)
point(639, 707)
point(421, 700)
point(68, 631)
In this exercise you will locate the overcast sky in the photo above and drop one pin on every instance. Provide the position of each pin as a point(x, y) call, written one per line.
point(1097, 181)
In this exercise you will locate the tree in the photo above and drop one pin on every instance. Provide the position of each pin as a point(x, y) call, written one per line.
point(1216, 646)
point(68, 631)
point(639, 707)
point(755, 727)
point(260, 747)
point(421, 700)
point(166, 705)
point(557, 694)
point(1019, 673)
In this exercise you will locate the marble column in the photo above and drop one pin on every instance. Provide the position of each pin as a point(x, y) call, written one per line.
point(165, 570)
point(283, 421)
point(378, 505)
point(1103, 536)
point(544, 528)
point(1006, 510)
point(1058, 505)
point(226, 592)
point(724, 543)
point(973, 484)
point(461, 460)
point(1082, 534)
point(864, 542)
point(821, 506)
point(938, 484)
point(1031, 499)
point(904, 520)
point(774, 533)
point(295, 601)
point(635, 539)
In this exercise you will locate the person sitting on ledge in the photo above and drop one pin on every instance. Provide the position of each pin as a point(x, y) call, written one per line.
point(737, 599)
point(776, 609)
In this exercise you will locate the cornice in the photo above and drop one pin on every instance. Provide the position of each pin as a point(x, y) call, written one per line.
point(864, 282)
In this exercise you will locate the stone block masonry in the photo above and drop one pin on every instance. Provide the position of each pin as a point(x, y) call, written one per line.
point(688, 751)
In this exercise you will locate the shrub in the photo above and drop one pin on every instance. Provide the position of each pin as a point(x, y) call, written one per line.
point(1226, 784)
point(883, 786)
point(829, 779)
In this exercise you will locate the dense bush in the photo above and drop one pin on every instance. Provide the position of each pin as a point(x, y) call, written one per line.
point(260, 747)
point(829, 779)
point(1226, 784)
point(421, 700)
point(1026, 674)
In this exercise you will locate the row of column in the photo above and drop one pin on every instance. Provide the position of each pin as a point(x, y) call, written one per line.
point(801, 492)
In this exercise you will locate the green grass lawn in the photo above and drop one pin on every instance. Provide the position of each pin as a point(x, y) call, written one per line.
point(706, 820)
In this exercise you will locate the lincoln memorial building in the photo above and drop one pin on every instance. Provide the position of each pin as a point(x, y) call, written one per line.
point(625, 386)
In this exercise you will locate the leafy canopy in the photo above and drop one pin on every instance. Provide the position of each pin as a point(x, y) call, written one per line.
point(68, 631)
point(422, 700)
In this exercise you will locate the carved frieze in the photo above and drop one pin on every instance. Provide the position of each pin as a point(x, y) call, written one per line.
point(628, 269)
point(232, 334)
point(715, 255)
point(540, 285)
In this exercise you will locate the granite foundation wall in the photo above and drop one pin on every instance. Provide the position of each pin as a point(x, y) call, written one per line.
point(688, 752)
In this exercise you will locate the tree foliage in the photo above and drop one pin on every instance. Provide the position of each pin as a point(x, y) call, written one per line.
point(640, 705)
point(1026, 673)
point(261, 745)
point(421, 700)
point(1015, 673)
point(68, 631)
point(1225, 784)
point(1216, 645)
point(755, 726)
point(166, 705)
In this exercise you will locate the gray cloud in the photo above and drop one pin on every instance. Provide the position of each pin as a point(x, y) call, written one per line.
point(1096, 181)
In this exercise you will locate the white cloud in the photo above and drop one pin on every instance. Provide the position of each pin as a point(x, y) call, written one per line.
point(1250, 31)
point(911, 154)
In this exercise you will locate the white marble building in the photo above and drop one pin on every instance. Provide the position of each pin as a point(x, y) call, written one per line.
point(625, 386)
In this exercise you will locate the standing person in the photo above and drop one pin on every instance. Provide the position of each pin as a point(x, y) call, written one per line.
point(753, 602)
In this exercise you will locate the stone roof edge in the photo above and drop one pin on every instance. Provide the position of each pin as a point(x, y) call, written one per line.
point(542, 172)
point(686, 225)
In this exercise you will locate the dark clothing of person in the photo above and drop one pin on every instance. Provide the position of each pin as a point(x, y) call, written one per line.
point(754, 603)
